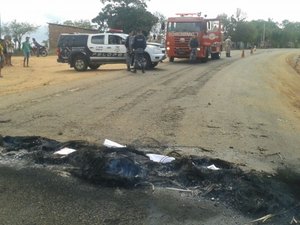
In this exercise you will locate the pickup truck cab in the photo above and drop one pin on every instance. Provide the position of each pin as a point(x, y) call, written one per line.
point(82, 51)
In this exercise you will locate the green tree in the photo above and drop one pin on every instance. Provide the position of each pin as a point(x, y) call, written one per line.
point(240, 16)
point(126, 15)
point(264, 33)
point(245, 32)
point(17, 30)
point(228, 25)
point(127, 3)
point(268, 33)
point(291, 33)
point(259, 26)
point(269, 30)
point(157, 29)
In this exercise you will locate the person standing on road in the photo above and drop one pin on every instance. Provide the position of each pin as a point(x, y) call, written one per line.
point(9, 50)
point(228, 44)
point(138, 45)
point(193, 45)
point(129, 51)
point(26, 48)
point(37, 47)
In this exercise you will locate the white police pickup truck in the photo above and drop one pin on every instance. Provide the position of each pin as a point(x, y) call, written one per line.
point(83, 51)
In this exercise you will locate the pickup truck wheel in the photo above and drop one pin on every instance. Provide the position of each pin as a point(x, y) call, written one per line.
point(94, 66)
point(154, 64)
point(148, 62)
point(80, 64)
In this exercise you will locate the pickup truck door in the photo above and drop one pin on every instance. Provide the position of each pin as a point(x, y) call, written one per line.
point(96, 44)
point(107, 46)
point(115, 46)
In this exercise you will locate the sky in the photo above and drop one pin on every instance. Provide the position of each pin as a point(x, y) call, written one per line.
point(41, 12)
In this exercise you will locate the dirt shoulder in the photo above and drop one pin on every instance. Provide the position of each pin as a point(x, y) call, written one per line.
point(42, 71)
point(45, 71)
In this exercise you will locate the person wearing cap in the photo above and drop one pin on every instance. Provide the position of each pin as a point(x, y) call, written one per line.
point(129, 50)
point(26, 48)
point(228, 44)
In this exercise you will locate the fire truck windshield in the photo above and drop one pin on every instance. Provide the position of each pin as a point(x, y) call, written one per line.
point(185, 26)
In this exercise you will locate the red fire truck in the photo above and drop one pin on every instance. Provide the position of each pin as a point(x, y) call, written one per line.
point(180, 29)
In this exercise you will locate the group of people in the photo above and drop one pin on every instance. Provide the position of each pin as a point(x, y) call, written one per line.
point(135, 44)
point(6, 52)
point(7, 49)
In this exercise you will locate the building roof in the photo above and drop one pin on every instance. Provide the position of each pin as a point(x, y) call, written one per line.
point(62, 25)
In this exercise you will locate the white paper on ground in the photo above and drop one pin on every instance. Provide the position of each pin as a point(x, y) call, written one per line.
point(160, 158)
point(213, 167)
point(112, 144)
point(65, 151)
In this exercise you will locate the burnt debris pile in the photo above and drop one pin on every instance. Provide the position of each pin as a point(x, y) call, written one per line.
point(253, 193)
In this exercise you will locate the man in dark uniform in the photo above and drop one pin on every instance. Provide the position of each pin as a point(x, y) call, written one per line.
point(129, 50)
point(138, 45)
point(193, 45)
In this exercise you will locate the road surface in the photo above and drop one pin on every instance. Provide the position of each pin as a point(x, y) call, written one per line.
point(243, 110)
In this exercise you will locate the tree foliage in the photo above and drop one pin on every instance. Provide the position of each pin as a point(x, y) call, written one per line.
point(18, 30)
point(240, 16)
point(245, 32)
point(126, 15)
point(228, 24)
point(127, 3)
point(291, 33)
point(157, 28)
point(260, 32)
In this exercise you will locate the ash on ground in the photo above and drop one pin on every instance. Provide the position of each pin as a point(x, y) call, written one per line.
point(254, 194)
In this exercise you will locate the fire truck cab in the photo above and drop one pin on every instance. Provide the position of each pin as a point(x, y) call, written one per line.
point(180, 29)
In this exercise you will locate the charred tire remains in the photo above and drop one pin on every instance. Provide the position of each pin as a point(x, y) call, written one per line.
point(252, 193)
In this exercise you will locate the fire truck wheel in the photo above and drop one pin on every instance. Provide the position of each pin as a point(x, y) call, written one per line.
point(205, 59)
point(171, 59)
point(215, 55)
